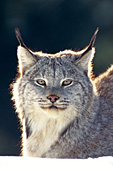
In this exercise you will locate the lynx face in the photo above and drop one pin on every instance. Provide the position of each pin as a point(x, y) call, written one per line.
point(54, 84)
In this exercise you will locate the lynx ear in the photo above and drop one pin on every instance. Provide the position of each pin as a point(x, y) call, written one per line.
point(25, 56)
point(85, 56)
point(84, 61)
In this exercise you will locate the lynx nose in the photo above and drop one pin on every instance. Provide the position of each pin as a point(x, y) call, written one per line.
point(53, 98)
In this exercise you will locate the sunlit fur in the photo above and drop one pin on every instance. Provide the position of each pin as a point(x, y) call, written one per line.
point(77, 125)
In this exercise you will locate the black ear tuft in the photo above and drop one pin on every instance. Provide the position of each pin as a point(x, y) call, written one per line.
point(21, 42)
point(19, 38)
point(90, 46)
point(93, 38)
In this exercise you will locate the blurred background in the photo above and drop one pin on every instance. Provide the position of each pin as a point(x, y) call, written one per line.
point(49, 26)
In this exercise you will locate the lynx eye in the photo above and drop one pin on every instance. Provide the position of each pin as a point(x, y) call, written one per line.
point(66, 83)
point(40, 82)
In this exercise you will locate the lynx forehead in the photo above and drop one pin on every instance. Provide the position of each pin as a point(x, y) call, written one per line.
point(59, 105)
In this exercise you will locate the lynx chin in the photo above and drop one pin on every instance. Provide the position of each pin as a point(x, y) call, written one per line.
point(63, 111)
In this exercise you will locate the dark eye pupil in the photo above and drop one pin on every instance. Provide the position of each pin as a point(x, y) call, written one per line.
point(41, 82)
point(66, 82)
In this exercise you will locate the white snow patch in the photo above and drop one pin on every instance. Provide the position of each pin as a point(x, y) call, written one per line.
point(33, 163)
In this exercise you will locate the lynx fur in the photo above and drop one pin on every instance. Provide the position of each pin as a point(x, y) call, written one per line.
point(63, 111)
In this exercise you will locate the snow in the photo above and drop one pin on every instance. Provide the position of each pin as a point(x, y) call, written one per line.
point(33, 163)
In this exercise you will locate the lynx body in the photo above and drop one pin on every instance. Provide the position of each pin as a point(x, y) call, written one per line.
point(64, 113)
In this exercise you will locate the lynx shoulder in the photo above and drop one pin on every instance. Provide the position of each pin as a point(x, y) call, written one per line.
point(104, 84)
point(64, 113)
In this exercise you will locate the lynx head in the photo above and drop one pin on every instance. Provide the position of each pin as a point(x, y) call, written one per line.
point(53, 84)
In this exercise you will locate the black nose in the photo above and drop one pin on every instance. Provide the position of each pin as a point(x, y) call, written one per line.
point(53, 98)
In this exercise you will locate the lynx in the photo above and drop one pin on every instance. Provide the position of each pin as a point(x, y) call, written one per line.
point(64, 111)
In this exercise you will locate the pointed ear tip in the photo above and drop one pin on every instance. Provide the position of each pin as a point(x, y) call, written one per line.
point(91, 51)
point(20, 49)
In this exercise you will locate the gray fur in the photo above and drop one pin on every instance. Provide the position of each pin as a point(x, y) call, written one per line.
point(80, 124)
